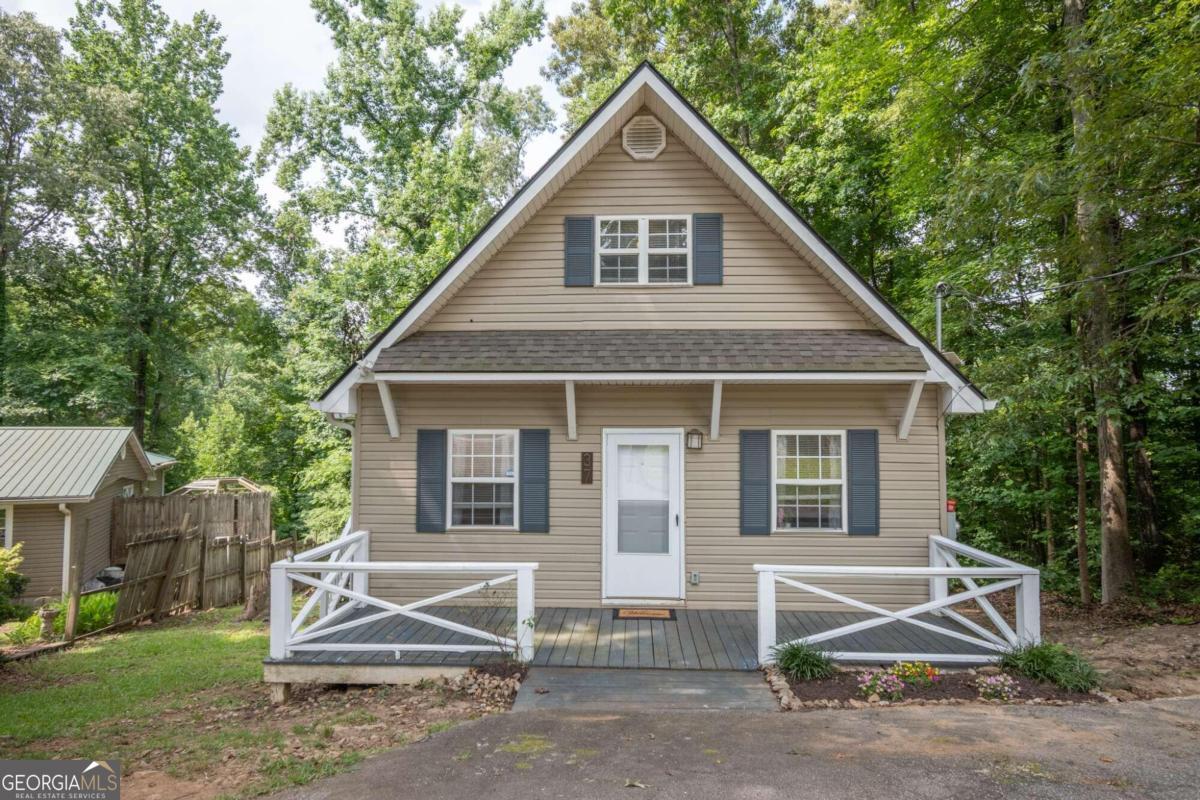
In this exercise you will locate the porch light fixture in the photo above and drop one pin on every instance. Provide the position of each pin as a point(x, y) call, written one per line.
point(695, 439)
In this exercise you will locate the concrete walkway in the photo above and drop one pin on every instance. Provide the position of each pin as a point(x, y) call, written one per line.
point(1131, 750)
point(574, 689)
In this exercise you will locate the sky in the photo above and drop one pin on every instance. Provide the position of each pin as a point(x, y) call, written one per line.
point(273, 42)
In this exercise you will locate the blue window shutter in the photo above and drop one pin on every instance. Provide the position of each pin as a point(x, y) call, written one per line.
point(862, 481)
point(708, 249)
point(534, 476)
point(756, 483)
point(431, 481)
point(579, 247)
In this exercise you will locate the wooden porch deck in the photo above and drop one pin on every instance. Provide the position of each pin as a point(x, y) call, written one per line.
point(592, 637)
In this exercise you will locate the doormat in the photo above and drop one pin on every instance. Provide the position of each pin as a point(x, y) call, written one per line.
point(644, 613)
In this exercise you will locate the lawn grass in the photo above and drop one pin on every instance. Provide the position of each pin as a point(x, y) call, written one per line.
point(185, 698)
point(128, 676)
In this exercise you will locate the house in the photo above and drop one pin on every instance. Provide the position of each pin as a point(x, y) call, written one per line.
point(58, 483)
point(648, 377)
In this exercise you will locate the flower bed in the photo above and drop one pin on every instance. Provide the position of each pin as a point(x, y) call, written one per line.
point(862, 688)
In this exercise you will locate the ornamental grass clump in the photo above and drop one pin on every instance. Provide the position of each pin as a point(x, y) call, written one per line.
point(997, 687)
point(803, 662)
point(881, 683)
point(1052, 663)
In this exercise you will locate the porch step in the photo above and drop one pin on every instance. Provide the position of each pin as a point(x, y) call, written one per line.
point(583, 689)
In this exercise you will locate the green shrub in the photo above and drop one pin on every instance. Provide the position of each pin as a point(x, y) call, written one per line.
point(96, 611)
point(12, 583)
point(803, 662)
point(1052, 663)
point(25, 633)
point(1174, 584)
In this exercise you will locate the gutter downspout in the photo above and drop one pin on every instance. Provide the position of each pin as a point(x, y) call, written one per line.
point(66, 568)
point(349, 428)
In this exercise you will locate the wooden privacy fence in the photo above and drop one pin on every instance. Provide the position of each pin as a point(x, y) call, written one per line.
point(216, 516)
point(169, 569)
point(161, 573)
point(234, 570)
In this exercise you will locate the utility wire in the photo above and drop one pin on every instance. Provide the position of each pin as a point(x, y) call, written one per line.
point(1012, 298)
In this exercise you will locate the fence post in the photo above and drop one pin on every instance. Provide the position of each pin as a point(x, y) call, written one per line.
point(1029, 609)
point(525, 614)
point(939, 588)
point(766, 616)
point(361, 581)
point(281, 609)
point(243, 573)
point(203, 579)
point(75, 576)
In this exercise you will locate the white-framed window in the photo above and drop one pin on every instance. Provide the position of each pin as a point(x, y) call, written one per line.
point(128, 490)
point(808, 480)
point(6, 525)
point(483, 479)
point(643, 251)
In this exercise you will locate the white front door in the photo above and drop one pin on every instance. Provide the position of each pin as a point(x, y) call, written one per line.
point(643, 514)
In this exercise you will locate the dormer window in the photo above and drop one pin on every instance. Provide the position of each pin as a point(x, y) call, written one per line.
point(643, 251)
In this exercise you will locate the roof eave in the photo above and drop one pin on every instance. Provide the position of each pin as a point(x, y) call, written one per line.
point(46, 500)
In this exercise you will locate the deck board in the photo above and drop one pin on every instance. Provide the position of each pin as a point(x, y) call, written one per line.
point(591, 637)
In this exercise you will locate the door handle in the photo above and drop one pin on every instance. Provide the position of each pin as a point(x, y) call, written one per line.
point(676, 520)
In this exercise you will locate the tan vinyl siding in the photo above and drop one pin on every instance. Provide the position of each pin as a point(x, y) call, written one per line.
point(98, 512)
point(570, 555)
point(767, 284)
point(39, 529)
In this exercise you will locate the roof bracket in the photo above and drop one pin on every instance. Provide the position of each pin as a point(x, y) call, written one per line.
point(910, 410)
point(714, 425)
point(389, 409)
point(572, 432)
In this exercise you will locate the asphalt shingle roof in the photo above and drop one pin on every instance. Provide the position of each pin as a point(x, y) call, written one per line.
point(650, 351)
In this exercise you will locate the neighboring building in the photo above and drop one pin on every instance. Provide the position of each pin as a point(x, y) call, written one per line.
point(157, 487)
point(648, 373)
point(58, 482)
point(234, 484)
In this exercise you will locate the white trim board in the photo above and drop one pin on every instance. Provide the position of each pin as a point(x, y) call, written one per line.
point(647, 87)
point(653, 377)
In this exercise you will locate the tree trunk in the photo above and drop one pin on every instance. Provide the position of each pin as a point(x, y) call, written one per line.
point(1095, 226)
point(141, 372)
point(1116, 552)
point(1047, 520)
point(1153, 545)
point(3, 324)
point(1081, 499)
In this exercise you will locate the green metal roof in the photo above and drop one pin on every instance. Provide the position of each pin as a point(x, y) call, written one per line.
point(58, 463)
point(158, 460)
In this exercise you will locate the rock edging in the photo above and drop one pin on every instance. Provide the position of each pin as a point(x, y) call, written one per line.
point(788, 701)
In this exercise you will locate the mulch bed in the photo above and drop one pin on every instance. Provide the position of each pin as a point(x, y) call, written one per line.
point(504, 669)
point(955, 688)
point(952, 686)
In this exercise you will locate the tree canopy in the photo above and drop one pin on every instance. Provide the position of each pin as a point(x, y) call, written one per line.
point(1035, 163)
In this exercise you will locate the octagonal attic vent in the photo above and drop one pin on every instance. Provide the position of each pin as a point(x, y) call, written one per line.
point(644, 137)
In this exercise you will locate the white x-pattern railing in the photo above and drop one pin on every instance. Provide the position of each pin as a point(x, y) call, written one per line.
point(338, 573)
point(944, 566)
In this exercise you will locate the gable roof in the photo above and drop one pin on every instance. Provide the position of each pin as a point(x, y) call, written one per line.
point(60, 464)
point(647, 87)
